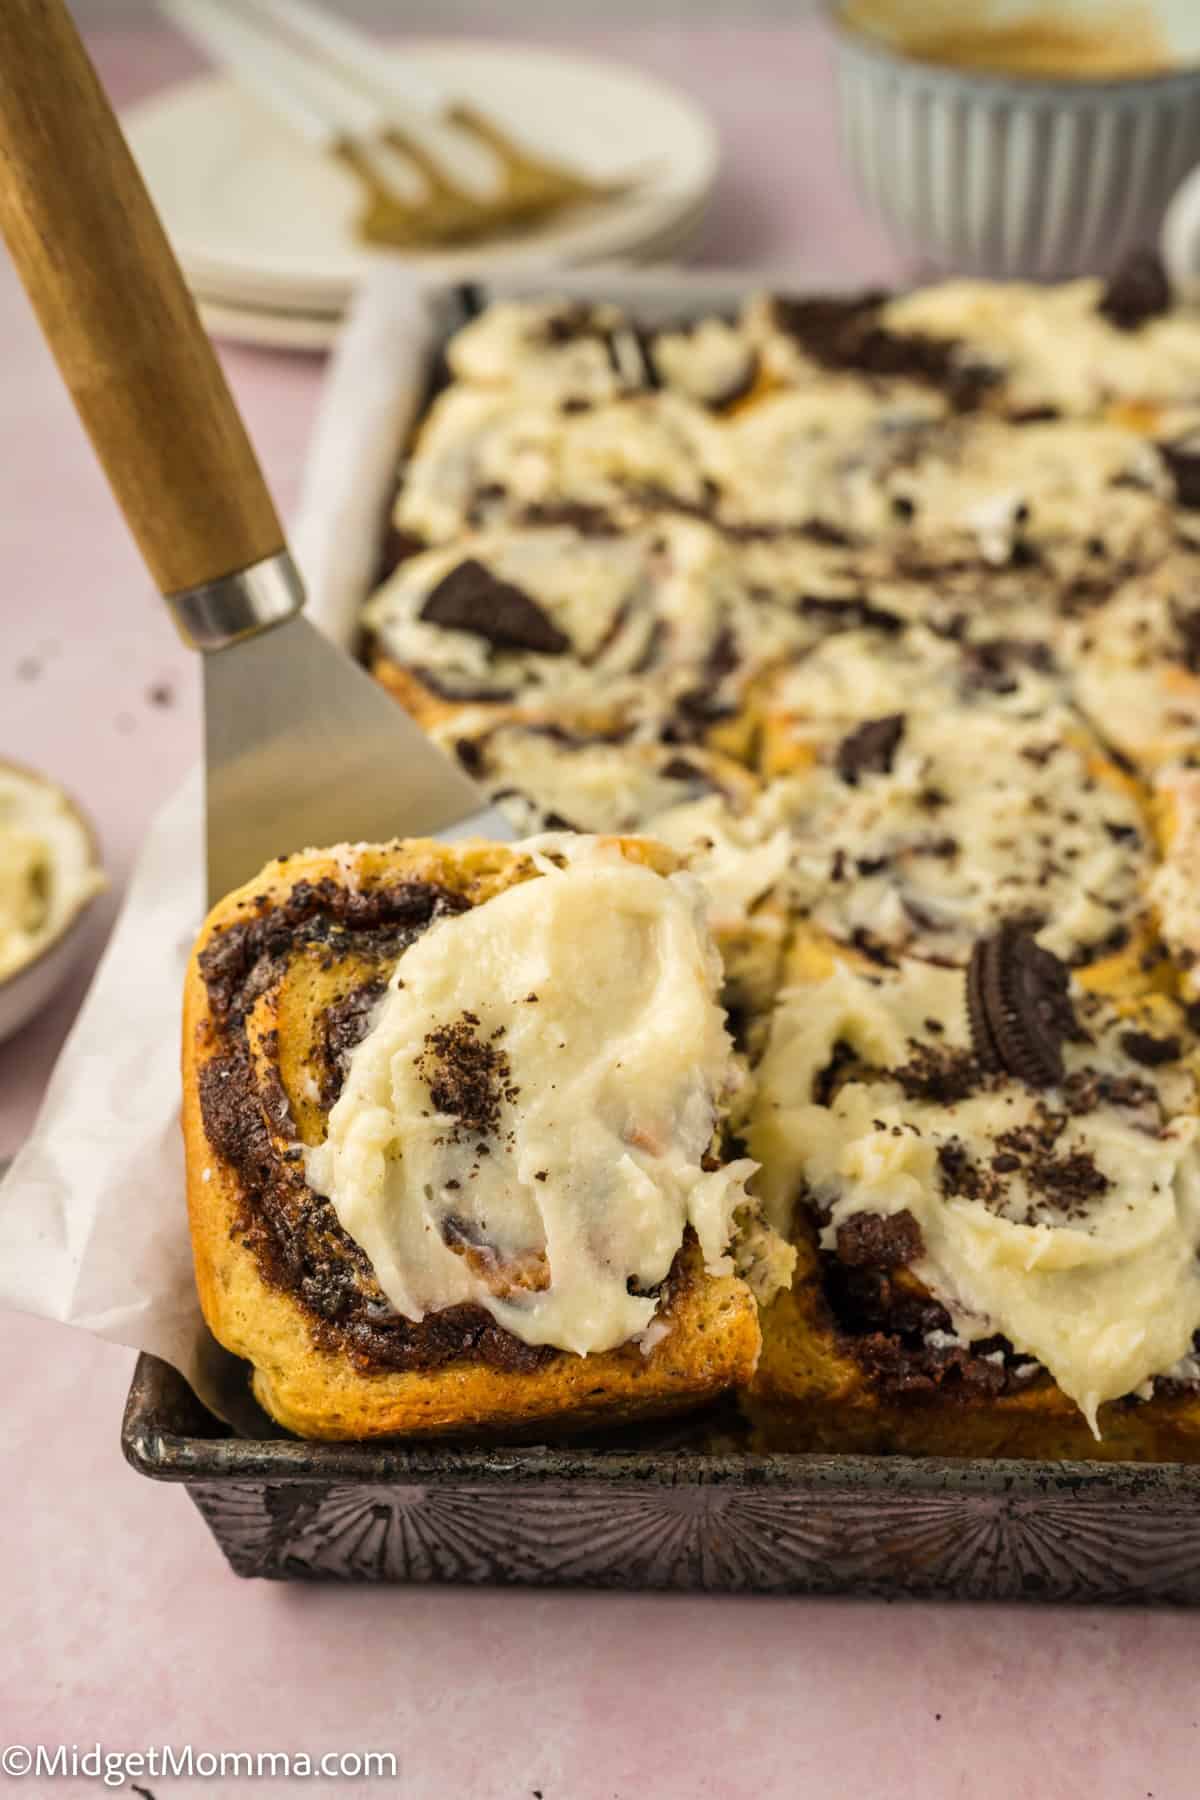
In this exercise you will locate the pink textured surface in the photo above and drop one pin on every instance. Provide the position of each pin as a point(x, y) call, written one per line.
point(122, 1622)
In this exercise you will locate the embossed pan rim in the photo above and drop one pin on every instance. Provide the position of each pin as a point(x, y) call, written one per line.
point(160, 1400)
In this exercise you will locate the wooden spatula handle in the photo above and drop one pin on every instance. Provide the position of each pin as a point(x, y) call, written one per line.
point(112, 302)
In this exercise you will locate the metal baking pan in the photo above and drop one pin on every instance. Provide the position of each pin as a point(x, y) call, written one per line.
point(656, 1507)
point(662, 1515)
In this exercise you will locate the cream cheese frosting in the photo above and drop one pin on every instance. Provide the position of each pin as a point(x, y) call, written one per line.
point(47, 867)
point(1136, 662)
point(980, 817)
point(1175, 886)
point(486, 454)
point(861, 674)
point(707, 808)
point(712, 362)
point(527, 1124)
point(1067, 1220)
point(974, 477)
point(585, 352)
point(738, 857)
point(815, 452)
point(1053, 346)
point(545, 777)
point(553, 347)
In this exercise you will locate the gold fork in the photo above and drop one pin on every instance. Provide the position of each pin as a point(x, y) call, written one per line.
point(324, 80)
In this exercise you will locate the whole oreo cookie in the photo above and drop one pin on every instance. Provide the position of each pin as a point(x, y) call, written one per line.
point(1019, 1007)
point(470, 598)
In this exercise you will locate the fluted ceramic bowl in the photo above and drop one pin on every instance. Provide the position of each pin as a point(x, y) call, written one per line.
point(1011, 176)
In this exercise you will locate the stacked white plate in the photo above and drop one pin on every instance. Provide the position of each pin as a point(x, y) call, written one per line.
point(265, 226)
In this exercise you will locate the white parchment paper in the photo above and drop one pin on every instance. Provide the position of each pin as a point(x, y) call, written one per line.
point(93, 1226)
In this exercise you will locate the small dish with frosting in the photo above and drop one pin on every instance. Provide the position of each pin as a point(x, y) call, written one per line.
point(50, 872)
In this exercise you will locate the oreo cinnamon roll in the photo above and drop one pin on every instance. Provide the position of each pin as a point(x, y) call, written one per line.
point(564, 622)
point(454, 1131)
point(486, 456)
point(879, 471)
point(919, 832)
point(536, 621)
point(992, 1179)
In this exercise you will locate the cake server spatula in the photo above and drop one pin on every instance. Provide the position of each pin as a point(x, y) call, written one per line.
point(301, 747)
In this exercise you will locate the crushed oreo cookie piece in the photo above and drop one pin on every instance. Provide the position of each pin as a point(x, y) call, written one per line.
point(839, 333)
point(879, 1240)
point(468, 1077)
point(1087, 1090)
point(828, 1081)
point(573, 320)
point(1186, 620)
point(990, 664)
point(1019, 1007)
point(961, 1176)
point(1143, 1047)
point(469, 755)
point(849, 612)
point(1137, 290)
point(344, 1024)
point(678, 768)
point(937, 1072)
point(1183, 466)
point(1068, 1182)
point(631, 353)
point(470, 598)
point(870, 748)
point(588, 520)
point(872, 948)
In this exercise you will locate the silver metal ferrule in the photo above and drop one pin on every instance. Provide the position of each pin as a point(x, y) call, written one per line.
point(238, 606)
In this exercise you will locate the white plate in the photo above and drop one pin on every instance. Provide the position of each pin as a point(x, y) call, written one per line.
point(670, 245)
point(268, 329)
point(289, 328)
point(255, 213)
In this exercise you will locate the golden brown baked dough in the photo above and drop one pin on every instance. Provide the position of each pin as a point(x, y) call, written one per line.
point(283, 954)
point(812, 1392)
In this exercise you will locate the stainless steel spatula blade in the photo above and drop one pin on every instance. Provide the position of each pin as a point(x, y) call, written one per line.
point(303, 749)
